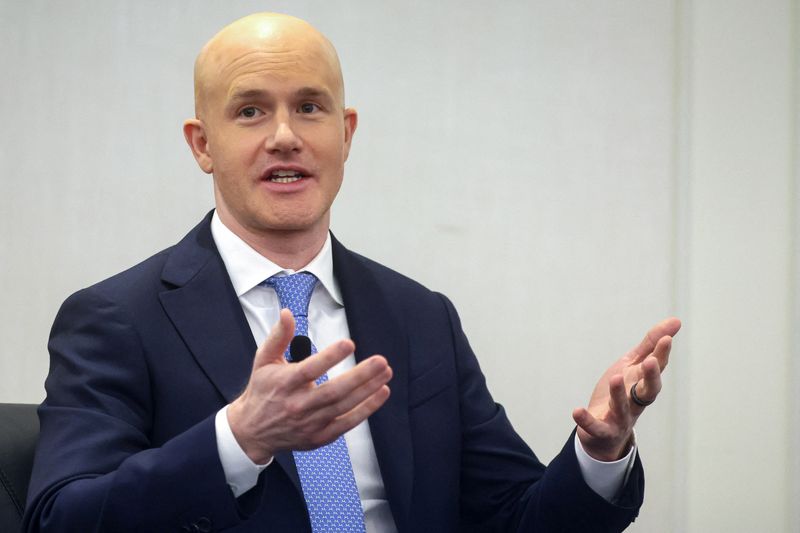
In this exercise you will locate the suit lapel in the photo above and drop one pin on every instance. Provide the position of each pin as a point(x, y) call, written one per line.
point(204, 309)
point(375, 329)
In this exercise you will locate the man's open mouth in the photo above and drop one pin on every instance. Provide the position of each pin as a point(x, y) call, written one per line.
point(285, 176)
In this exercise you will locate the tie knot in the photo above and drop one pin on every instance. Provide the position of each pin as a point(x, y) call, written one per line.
point(294, 291)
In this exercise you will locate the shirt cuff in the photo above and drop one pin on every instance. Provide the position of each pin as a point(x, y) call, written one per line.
point(241, 473)
point(605, 478)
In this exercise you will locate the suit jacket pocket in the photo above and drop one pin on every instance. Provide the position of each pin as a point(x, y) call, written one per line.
point(431, 383)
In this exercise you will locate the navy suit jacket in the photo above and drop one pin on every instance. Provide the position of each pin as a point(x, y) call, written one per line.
point(141, 362)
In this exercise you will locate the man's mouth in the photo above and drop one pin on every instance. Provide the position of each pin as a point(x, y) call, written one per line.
point(285, 176)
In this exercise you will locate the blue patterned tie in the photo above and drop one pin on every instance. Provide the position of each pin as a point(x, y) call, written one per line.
point(326, 474)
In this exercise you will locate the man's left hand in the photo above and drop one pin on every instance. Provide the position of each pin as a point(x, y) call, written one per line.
point(605, 427)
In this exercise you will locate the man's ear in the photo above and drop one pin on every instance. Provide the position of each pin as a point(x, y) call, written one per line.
point(350, 124)
point(195, 133)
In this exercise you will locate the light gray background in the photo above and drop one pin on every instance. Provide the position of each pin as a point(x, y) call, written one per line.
point(568, 172)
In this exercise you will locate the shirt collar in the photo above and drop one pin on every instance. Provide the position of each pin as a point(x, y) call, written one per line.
point(248, 268)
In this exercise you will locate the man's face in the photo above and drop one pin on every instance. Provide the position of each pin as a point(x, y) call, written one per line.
point(277, 135)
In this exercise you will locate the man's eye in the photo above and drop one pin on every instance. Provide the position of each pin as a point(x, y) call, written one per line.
point(248, 112)
point(308, 107)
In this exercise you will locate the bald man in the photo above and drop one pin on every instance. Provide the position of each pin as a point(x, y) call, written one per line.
point(162, 415)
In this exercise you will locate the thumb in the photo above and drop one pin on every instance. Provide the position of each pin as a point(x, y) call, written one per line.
point(272, 349)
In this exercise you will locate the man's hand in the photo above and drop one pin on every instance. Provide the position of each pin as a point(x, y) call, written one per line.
point(283, 409)
point(606, 426)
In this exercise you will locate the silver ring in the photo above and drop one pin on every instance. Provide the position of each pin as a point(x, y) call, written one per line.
point(638, 401)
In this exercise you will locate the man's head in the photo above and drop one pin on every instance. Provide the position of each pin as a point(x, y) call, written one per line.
point(271, 125)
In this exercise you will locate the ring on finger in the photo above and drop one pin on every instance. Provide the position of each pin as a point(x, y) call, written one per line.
point(638, 401)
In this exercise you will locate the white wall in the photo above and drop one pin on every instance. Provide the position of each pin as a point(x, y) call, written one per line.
point(740, 276)
point(567, 172)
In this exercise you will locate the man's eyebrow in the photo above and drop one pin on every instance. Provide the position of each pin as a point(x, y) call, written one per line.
point(313, 92)
point(247, 94)
point(238, 95)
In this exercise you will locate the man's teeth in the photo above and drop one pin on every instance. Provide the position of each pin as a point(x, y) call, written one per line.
point(285, 176)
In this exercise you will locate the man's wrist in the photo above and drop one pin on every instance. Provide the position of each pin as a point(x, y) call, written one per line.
point(254, 450)
point(241, 473)
point(606, 478)
point(605, 454)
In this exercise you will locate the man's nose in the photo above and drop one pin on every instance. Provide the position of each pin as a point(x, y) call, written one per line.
point(283, 139)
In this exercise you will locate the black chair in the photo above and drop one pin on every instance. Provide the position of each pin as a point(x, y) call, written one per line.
point(19, 429)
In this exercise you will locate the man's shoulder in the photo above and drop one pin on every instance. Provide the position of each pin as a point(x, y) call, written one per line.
point(132, 288)
point(388, 275)
point(165, 269)
point(354, 268)
point(139, 275)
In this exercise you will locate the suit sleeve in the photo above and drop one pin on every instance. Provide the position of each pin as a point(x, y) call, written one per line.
point(96, 467)
point(504, 487)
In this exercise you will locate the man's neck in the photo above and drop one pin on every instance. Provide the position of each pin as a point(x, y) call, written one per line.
point(289, 249)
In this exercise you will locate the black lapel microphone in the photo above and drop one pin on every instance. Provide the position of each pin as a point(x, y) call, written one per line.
point(299, 348)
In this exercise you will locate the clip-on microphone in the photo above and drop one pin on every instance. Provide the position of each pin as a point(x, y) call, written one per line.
point(299, 348)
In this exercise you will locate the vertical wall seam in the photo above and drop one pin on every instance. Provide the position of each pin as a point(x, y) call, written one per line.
point(681, 205)
point(793, 494)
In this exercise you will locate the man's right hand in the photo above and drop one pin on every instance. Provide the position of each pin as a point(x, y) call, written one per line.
point(283, 409)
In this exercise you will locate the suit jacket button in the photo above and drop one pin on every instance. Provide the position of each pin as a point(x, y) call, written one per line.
point(203, 525)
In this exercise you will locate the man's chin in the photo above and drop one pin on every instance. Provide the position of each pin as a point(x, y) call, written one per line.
point(294, 224)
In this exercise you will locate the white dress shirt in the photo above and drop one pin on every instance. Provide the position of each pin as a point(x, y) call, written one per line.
point(327, 323)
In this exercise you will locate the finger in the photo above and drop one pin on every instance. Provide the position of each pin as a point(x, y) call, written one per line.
point(668, 327)
point(649, 386)
point(341, 394)
point(314, 366)
point(333, 399)
point(661, 352)
point(272, 350)
point(355, 416)
point(348, 382)
point(618, 403)
point(587, 422)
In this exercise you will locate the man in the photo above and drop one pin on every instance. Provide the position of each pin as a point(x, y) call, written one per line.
point(158, 417)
